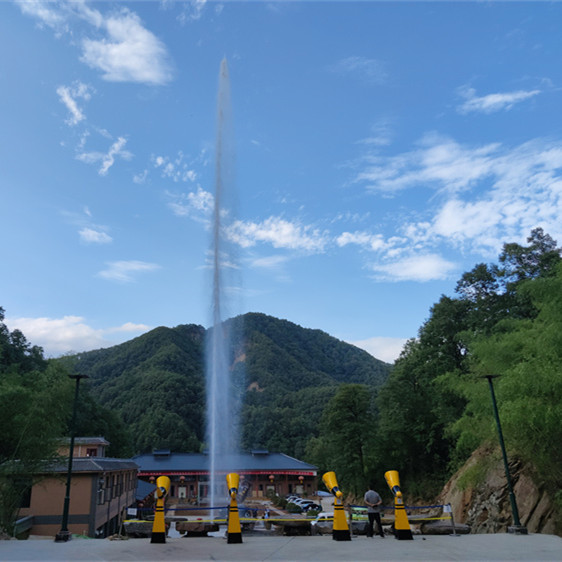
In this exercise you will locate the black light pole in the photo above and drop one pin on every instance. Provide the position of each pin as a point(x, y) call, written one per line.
point(516, 528)
point(64, 534)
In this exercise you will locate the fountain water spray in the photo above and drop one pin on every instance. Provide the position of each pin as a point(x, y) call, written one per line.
point(221, 404)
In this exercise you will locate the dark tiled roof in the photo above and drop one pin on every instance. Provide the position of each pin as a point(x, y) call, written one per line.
point(196, 462)
point(87, 440)
point(144, 489)
point(94, 464)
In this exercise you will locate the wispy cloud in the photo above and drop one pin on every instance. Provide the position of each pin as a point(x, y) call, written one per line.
point(126, 271)
point(178, 168)
point(280, 233)
point(71, 333)
point(385, 349)
point(122, 49)
point(198, 204)
point(485, 195)
point(370, 70)
point(69, 96)
point(47, 14)
point(269, 262)
point(491, 103)
point(128, 53)
point(364, 239)
point(193, 11)
point(420, 268)
point(439, 162)
point(89, 232)
point(107, 159)
point(92, 236)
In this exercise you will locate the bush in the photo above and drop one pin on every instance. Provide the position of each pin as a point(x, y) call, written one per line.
point(293, 508)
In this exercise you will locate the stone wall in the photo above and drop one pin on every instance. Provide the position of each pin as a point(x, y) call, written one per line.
point(479, 496)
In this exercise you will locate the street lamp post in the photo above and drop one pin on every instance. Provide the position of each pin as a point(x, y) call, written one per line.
point(64, 534)
point(516, 528)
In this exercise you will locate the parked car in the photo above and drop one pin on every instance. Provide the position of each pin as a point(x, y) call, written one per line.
point(323, 524)
point(311, 506)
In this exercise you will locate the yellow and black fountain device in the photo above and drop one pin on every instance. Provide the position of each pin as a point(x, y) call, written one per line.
point(159, 526)
point(340, 530)
point(402, 529)
point(233, 529)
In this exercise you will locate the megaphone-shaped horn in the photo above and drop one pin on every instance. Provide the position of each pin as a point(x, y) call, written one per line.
point(232, 481)
point(393, 482)
point(162, 486)
point(331, 483)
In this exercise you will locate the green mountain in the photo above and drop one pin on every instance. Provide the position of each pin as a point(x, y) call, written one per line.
point(283, 373)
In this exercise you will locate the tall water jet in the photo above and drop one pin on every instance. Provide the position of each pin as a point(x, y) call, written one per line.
point(221, 403)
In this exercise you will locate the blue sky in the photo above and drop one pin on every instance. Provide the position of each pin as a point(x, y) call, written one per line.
point(382, 149)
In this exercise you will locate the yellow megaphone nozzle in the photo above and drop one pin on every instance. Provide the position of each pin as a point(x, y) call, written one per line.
point(163, 482)
point(232, 481)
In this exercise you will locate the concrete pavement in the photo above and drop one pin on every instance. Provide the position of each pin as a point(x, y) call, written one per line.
point(504, 547)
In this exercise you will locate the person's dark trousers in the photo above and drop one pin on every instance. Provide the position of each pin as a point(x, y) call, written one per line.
point(372, 518)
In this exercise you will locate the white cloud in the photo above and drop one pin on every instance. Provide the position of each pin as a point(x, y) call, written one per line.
point(492, 102)
point(385, 349)
point(197, 204)
point(486, 195)
point(177, 169)
point(420, 268)
point(269, 262)
point(439, 162)
point(107, 159)
point(370, 241)
point(140, 177)
point(126, 271)
point(127, 327)
point(278, 232)
point(192, 11)
point(123, 49)
point(70, 333)
point(69, 95)
point(129, 53)
point(91, 236)
point(372, 70)
point(45, 12)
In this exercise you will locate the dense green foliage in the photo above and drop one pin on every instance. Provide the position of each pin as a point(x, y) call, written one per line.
point(527, 353)
point(291, 375)
point(36, 397)
point(435, 409)
point(284, 374)
point(345, 444)
point(311, 396)
point(155, 384)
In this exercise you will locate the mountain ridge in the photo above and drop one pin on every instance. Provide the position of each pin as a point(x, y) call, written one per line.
point(283, 372)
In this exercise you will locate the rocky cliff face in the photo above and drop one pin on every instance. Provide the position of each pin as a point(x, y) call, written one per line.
point(479, 496)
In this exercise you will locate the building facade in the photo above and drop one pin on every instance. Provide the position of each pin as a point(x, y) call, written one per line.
point(101, 489)
point(261, 473)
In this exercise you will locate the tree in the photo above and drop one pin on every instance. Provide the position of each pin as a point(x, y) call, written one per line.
point(34, 394)
point(346, 436)
point(527, 353)
point(539, 259)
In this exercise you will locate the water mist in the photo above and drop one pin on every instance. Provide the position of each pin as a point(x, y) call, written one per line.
point(222, 423)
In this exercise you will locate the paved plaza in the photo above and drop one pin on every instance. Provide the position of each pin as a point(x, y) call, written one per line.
point(278, 548)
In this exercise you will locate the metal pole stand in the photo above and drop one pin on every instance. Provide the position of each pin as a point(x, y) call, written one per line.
point(448, 509)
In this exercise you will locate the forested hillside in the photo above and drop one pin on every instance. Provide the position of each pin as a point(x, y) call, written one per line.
point(309, 395)
point(435, 409)
point(36, 396)
point(285, 375)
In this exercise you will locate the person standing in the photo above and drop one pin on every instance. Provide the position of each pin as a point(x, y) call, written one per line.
point(373, 502)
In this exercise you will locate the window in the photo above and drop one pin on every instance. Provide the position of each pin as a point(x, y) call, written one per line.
point(91, 452)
